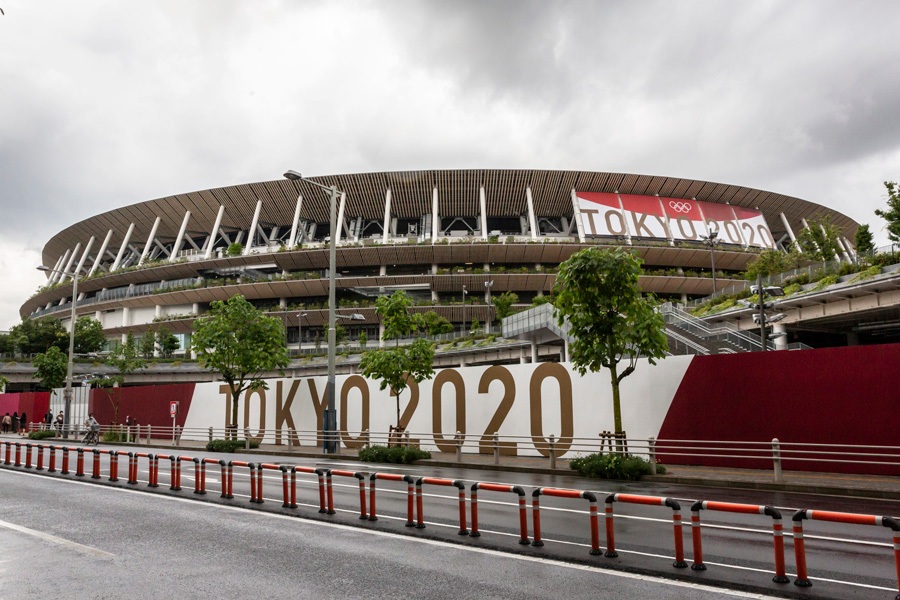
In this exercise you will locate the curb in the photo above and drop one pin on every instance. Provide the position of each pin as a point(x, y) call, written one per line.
point(797, 488)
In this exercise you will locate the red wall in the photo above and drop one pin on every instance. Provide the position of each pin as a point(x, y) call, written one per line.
point(149, 404)
point(834, 395)
point(35, 404)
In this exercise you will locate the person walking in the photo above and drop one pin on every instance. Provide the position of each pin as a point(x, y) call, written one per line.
point(59, 423)
point(48, 420)
point(23, 423)
point(7, 422)
point(15, 421)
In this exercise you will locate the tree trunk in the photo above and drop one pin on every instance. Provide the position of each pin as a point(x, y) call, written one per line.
point(232, 427)
point(398, 409)
point(617, 408)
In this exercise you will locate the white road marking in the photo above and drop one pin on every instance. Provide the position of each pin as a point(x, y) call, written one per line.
point(55, 540)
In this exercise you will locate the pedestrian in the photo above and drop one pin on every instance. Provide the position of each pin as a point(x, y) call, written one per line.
point(59, 423)
point(7, 421)
point(48, 419)
point(23, 421)
point(15, 421)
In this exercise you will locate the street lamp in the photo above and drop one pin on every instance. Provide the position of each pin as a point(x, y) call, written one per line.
point(331, 442)
point(712, 240)
point(67, 392)
point(487, 288)
point(761, 318)
point(300, 317)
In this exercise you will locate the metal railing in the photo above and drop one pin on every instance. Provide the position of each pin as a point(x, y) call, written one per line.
point(728, 333)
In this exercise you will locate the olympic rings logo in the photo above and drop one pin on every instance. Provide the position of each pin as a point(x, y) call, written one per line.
point(682, 207)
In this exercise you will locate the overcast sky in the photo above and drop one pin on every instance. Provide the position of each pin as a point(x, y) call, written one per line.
point(105, 103)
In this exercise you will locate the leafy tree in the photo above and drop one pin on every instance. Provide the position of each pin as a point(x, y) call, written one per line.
point(88, 336)
point(476, 326)
point(819, 241)
point(148, 344)
point(435, 324)
point(34, 336)
point(892, 214)
point(397, 366)
point(7, 344)
point(51, 368)
point(125, 360)
point(3, 383)
point(235, 249)
point(609, 319)
point(865, 244)
point(772, 262)
point(363, 338)
point(241, 343)
point(504, 303)
point(167, 342)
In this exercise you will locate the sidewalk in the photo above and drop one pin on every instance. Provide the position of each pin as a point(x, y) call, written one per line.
point(869, 486)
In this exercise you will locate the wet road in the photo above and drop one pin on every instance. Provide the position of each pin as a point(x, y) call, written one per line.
point(844, 561)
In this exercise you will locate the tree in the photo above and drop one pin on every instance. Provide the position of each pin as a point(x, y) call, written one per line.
point(892, 214)
point(397, 366)
point(148, 344)
point(363, 338)
point(504, 303)
point(3, 383)
point(125, 360)
point(88, 336)
point(235, 249)
point(476, 326)
point(819, 241)
point(435, 324)
point(35, 336)
point(167, 342)
point(865, 244)
point(7, 344)
point(609, 319)
point(772, 262)
point(241, 343)
point(51, 368)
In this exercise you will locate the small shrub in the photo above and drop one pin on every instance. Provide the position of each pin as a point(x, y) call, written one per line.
point(792, 289)
point(114, 436)
point(41, 435)
point(825, 282)
point(611, 466)
point(392, 454)
point(229, 445)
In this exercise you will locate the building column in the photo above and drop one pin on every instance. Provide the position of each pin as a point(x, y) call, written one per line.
point(435, 297)
point(176, 248)
point(576, 214)
point(215, 231)
point(844, 252)
point(462, 361)
point(523, 357)
point(386, 234)
point(336, 235)
point(101, 252)
point(534, 352)
point(781, 343)
point(381, 335)
point(68, 267)
point(787, 226)
point(483, 203)
point(532, 221)
point(84, 256)
point(252, 233)
point(292, 242)
point(195, 309)
point(53, 275)
point(122, 248)
point(150, 239)
point(382, 270)
point(435, 218)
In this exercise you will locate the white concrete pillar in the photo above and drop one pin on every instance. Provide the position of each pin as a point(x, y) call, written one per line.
point(176, 248)
point(382, 270)
point(101, 252)
point(215, 231)
point(122, 248)
point(68, 267)
point(84, 256)
point(534, 352)
point(53, 275)
point(532, 221)
point(565, 356)
point(385, 237)
point(781, 343)
point(195, 309)
point(787, 226)
point(150, 239)
point(336, 236)
point(293, 239)
point(435, 218)
point(282, 303)
point(523, 358)
point(462, 361)
point(483, 202)
point(844, 252)
point(126, 316)
point(381, 335)
point(253, 224)
point(576, 214)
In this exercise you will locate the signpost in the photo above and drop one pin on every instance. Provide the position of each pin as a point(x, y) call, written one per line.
point(173, 412)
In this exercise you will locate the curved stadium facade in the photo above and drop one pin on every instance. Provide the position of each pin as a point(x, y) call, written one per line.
point(443, 236)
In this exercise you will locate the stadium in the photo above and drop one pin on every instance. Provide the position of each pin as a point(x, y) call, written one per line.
point(451, 239)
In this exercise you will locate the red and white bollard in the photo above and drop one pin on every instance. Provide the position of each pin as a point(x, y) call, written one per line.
point(493, 487)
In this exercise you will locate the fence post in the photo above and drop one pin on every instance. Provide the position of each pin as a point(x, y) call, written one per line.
point(459, 443)
point(496, 448)
point(652, 448)
point(406, 439)
point(210, 434)
point(178, 435)
point(368, 438)
point(149, 433)
point(552, 451)
point(246, 439)
point(776, 460)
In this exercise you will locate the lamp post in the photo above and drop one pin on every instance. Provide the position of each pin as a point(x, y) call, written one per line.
point(329, 424)
point(712, 240)
point(464, 310)
point(67, 392)
point(300, 317)
point(761, 318)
